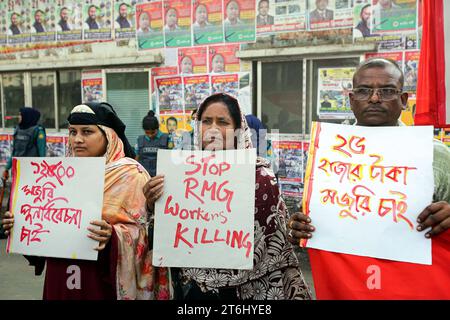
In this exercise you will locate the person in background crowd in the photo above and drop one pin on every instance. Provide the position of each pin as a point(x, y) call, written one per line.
point(148, 144)
point(29, 141)
point(276, 273)
point(29, 137)
point(258, 132)
point(124, 269)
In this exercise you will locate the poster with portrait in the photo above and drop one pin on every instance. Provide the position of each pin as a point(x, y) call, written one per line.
point(288, 150)
point(5, 147)
point(55, 145)
point(177, 23)
point(3, 22)
point(362, 22)
point(193, 60)
point(124, 20)
point(330, 14)
point(239, 20)
point(69, 20)
point(92, 86)
point(170, 94)
point(411, 70)
point(333, 88)
point(196, 89)
point(97, 17)
point(226, 83)
point(172, 123)
point(149, 22)
point(394, 16)
point(43, 21)
point(280, 16)
point(207, 23)
point(160, 72)
point(222, 58)
point(19, 16)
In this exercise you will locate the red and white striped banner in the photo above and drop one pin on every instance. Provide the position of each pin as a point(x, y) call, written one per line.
point(433, 89)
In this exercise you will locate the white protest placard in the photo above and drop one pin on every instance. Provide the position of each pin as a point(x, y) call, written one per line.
point(366, 186)
point(205, 217)
point(53, 201)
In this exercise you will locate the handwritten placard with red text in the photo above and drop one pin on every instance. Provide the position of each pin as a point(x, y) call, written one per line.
point(205, 217)
point(53, 201)
point(366, 186)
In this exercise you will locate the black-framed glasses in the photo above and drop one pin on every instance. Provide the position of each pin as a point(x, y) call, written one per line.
point(383, 93)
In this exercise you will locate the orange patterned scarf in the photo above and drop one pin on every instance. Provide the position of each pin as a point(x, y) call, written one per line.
point(124, 208)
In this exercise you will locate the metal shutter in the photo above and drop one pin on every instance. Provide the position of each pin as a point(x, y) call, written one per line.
point(131, 104)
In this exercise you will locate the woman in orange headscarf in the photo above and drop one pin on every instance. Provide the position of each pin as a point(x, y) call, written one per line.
point(123, 269)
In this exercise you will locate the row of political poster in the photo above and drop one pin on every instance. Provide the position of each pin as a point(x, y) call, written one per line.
point(178, 94)
point(211, 59)
point(185, 23)
point(56, 146)
point(156, 24)
point(176, 23)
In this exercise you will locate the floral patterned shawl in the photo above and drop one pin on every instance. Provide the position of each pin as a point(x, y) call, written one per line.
point(276, 273)
point(124, 208)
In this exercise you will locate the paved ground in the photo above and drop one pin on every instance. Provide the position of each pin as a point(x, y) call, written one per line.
point(17, 279)
point(306, 269)
point(18, 282)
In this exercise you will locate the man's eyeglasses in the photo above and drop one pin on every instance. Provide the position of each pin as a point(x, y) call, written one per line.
point(385, 94)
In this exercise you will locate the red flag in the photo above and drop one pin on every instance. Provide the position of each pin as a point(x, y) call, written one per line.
point(431, 87)
point(343, 276)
